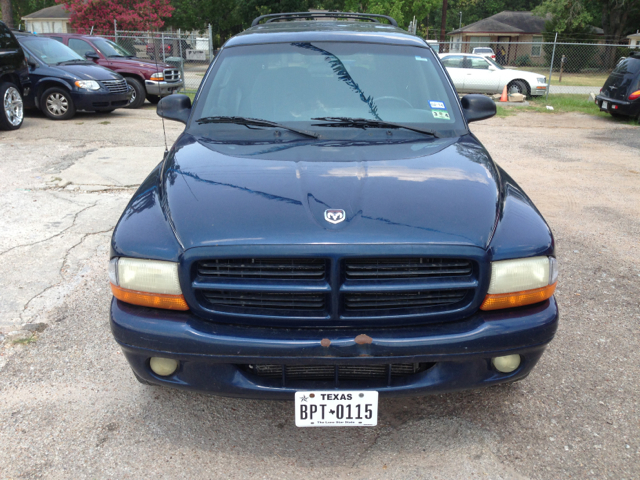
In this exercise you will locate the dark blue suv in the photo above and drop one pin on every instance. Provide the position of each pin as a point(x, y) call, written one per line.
point(327, 223)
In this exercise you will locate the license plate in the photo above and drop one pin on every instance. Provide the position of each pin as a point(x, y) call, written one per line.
point(604, 105)
point(336, 409)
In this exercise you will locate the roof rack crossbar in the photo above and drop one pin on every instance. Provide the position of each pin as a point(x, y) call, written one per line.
point(312, 15)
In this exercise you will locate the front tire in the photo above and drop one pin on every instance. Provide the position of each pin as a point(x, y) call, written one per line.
point(57, 104)
point(137, 99)
point(12, 114)
point(518, 86)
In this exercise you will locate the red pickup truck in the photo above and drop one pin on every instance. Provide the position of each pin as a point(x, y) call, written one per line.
point(148, 79)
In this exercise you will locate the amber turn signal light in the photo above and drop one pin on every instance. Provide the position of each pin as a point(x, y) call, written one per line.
point(517, 299)
point(634, 95)
point(155, 300)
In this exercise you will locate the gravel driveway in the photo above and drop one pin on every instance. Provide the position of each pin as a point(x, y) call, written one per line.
point(70, 407)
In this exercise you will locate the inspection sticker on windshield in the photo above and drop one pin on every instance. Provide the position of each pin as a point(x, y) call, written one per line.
point(441, 115)
point(438, 105)
point(336, 408)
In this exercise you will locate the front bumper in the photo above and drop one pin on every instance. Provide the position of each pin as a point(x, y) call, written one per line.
point(162, 88)
point(538, 89)
point(621, 107)
point(213, 356)
point(99, 100)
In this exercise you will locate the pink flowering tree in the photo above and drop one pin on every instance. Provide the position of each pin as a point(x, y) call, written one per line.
point(138, 15)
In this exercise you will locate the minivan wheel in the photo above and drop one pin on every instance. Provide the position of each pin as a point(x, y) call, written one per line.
point(137, 99)
point(56, 103)
point(12, 107)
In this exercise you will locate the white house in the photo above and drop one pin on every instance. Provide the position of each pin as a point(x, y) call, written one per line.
point(634, 39)
point(48, 20)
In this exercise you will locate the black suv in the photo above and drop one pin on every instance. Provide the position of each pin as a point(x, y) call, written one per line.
point(14, 80)
point(620, 95)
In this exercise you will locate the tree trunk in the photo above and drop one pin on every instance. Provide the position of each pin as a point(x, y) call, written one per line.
point(615, 16)
point(7, 12)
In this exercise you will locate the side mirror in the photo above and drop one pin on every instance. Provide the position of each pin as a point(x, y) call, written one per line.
point(92, 55)
point(176, 107)
point(477, 107)
point(492, 68)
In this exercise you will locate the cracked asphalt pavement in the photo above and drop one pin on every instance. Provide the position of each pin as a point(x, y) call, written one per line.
point(70, 407)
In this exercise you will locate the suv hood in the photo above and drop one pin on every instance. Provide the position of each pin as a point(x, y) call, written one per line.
point(441, 191)
point(139, 63)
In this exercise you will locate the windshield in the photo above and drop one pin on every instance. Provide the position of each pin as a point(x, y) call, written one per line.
point(110, 49)
point(50, 51)
point(494, 63)
point(295, 83)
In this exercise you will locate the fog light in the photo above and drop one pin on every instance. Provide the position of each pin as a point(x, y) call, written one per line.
point(166, 366)
point(506, 364)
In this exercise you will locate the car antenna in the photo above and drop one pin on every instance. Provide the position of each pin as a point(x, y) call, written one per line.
point(164, 130)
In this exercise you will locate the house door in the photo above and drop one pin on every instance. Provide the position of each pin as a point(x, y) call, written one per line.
point(502, 53)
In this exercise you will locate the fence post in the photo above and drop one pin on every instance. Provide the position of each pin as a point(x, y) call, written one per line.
point(115, 30)
point(210, 44)
point(553, 55)
point(162, 40)
point(181, 57)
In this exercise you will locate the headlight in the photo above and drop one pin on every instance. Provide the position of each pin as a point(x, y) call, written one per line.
point(88, 84)
point(519, 282)
point(150, 283)
point(542, 80)
point(158, 76)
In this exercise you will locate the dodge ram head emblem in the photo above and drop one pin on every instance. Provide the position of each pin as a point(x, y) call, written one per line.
point(334, 215)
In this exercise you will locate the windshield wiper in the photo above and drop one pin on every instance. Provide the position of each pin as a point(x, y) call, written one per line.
point(76, 60)
point(256, 122)
point(368, 123)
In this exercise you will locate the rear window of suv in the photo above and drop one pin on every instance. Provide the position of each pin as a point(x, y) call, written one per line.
point(297, 82)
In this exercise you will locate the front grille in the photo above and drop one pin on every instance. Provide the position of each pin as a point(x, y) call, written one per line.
point(354, 302)
point(266, 268)
point(116, 86)
point(403, 268)
point(257, 300)
point(340, 372)
point(314, 287)
point(171, 75)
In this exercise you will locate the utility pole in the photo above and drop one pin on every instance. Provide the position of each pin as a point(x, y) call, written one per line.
point(443, 25)
point(460, 26)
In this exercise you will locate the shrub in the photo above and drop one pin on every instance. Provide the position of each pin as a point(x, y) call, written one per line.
point(523, 61)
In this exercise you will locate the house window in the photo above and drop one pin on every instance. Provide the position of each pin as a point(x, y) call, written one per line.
point(536, 48)
point(478, 42)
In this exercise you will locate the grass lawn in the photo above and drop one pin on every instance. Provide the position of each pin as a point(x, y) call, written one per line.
point(571, 79)
point(561, 103)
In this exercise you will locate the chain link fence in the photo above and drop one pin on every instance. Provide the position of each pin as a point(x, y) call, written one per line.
point(578, 68)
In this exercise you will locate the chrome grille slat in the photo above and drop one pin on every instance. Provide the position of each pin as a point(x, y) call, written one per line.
point(116, 86)
point(171, 75)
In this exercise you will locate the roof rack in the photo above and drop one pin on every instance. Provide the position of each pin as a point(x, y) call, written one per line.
point(313, 15)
